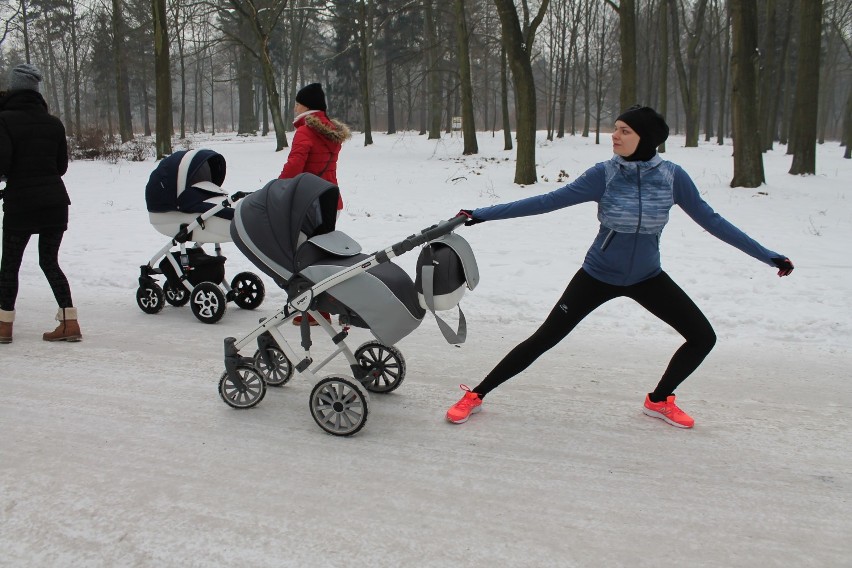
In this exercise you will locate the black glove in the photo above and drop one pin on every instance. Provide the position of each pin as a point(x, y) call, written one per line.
point(785, 267)
point(471, 220)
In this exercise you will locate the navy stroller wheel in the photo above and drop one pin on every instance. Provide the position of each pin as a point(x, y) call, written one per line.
point(339, 405)
point(177, 296)
point(384, 365)
point(248, 290)
point(246, 392)
point(278, 371)
point(207, 302)
point(150, 298)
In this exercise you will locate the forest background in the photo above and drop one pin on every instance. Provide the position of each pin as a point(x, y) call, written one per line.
point(128, 76)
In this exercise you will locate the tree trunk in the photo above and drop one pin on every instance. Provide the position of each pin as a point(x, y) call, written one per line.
point(807, 89)
point(163, 81)
point(245, 88)
point(662, 106)
point(768, 78)
point(724, 56)
point(125, 123)
point(781, 84)
point(468, 124)
point(366, 48)
point(519, 45)
point(688, 73)
point(627, 43)
point(748, 158)
point(389, 82)
point(847, 127)
point(432, 73)
point(504, 101)
point(75, 53)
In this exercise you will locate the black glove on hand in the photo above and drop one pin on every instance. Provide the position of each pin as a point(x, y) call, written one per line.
point(785, 267)
point(471, 220)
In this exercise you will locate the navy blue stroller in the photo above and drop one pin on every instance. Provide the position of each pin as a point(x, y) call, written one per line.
point(186, 203)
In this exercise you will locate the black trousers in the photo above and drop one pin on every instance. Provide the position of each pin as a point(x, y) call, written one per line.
point(14, 245)
point(659, 295)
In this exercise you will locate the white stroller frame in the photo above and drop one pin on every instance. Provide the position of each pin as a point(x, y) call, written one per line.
point(207, 300)
point(339, 404)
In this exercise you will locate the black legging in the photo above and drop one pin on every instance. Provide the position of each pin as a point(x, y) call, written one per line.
point(659, 295)
point(14, 244)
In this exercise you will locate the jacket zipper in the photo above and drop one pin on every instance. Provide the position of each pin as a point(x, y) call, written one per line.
point(638, 224)
point(607, 240)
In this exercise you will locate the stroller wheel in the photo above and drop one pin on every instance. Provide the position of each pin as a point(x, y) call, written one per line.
point(207, 302)
point(150, 298)
point(339, 405)
point(248, 290)
point(176, 296)
point(278, 371)
point(246, 393)
point(385, 366)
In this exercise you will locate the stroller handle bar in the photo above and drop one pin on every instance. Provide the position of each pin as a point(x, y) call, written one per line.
point(427, 235)
point(302, 302)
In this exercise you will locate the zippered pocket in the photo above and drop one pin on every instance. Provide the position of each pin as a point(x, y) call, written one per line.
point(607, 240)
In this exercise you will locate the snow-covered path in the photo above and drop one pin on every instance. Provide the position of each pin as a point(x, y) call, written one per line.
point(117, 451)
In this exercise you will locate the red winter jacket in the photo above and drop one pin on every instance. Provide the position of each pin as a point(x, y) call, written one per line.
point(315, 148)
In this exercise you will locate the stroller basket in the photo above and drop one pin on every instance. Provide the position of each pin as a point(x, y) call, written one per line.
point(201, 267)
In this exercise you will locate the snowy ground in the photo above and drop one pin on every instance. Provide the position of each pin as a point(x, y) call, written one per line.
point(118, 451)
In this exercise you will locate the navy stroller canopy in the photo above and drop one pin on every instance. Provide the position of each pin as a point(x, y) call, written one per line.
point(184, 180)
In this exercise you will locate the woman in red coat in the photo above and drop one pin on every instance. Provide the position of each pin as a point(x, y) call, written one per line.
point(316, 145)
point(318, 138)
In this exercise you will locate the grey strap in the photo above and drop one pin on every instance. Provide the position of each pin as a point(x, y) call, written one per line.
point(452, 337)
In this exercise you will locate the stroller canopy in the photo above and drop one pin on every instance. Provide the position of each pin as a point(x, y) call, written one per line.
point(183, 181)
point(287, 229)
point(286, 212)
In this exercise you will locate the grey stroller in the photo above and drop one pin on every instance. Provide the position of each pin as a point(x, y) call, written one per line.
point(287, 229)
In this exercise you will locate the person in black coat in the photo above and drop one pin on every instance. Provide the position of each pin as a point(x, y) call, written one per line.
point(33, 159)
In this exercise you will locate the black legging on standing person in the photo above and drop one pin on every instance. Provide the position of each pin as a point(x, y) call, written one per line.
point(659, 295)
point(14, 244)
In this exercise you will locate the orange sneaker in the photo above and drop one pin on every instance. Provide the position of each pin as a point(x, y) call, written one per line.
point(668, 411)
point(469, 404)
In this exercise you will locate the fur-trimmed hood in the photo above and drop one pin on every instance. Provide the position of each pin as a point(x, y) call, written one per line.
point(328, 128)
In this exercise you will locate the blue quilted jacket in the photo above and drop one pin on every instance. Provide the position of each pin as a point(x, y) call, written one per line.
point(634, 199)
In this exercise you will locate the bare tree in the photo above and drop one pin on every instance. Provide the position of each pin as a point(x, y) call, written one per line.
point(748, 158)
point(687, 73)
point(163, 78)
point(518, 43)
point(627, 41)
point(433, 74)
point(125, 125)
point(807, 88)
point(262, 16)
point(468, 125)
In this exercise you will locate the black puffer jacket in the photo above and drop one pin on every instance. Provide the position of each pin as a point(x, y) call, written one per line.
point(33, 158)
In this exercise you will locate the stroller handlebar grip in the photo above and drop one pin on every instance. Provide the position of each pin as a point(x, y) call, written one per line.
point(428, 234)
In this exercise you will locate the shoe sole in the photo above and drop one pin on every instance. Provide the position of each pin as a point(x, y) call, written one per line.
point(72, 339)
point(663, 417)
point(5, 340)
point(463, 420)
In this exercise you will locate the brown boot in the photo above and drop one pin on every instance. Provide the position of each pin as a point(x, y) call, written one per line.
point(68, 328)
point(6, 319)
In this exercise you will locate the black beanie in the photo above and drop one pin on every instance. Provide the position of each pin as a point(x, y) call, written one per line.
point(651, 128)
point(312, 97)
